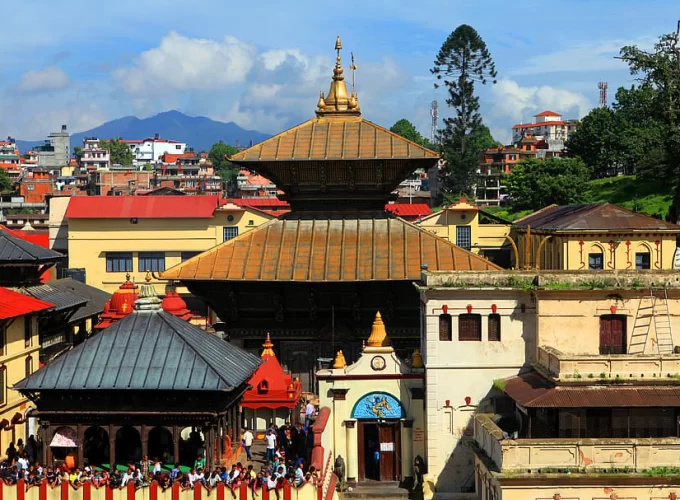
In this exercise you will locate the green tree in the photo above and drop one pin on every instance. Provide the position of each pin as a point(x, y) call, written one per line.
point(598, 142)
point(534, 183)
point(5, 183)
point(462, 61)
point(408, 130)
point(660, 69)
point(119, 151)
point(225, 169)
point(78, 152)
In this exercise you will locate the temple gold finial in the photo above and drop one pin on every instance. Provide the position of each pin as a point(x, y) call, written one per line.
point(378, 337)
point(127, 277)
point(338, 101)
point(339, 361)
point(268, 351)
point(417, 359)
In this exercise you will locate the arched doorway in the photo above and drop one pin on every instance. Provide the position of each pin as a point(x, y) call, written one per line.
point(64, 442)
point(96, 446)
point(161, 445)
point(191, 444)
point(128, 445)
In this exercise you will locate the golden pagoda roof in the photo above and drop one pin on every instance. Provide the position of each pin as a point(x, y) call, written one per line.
point(329, 249)
point(267, 351)
point(337, 133)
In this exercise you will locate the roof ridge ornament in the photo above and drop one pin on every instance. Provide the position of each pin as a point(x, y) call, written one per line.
point(338, 101)
point(148, 298)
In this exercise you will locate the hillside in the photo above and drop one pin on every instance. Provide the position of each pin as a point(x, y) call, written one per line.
point(198, 132)
point(650, 197)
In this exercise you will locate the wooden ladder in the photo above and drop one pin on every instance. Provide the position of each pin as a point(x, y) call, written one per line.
point(644, 316)
point(662, 325)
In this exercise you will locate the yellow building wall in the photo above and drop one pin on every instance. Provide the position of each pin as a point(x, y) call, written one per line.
point(483, 236)
point(13, 359)
point(90, 239)
point(566, 252)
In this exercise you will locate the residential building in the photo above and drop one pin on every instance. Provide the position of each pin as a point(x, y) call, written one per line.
point(10, 161)
point(56, 152)
point(560, 384)
point(18, 358)
point(547, 125)
point(151, 149)
point(27, 221)
point(109, 237)
point(94, 157)
point(252, 185)
point(594, 237)
point(36, 184)
point(473, 229)
point(188, 173)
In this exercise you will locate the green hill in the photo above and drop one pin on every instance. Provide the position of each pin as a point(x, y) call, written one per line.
point(650, 197)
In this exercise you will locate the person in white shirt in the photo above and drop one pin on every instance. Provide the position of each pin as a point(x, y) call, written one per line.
point(193, 476)
point(248, 442)
point(309, 412)
point(157, 467)
point(129, 475)
point(270, 439)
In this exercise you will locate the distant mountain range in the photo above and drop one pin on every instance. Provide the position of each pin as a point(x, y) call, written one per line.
point(198, 132)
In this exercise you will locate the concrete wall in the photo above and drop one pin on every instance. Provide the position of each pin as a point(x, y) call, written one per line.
point(90, 239)
point(13, 359)
point(58, 225)
point(457, 370)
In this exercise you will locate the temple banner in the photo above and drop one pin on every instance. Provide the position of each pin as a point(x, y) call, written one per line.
point(378, 405)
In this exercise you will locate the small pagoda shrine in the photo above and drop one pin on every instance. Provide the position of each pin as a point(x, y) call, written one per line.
point(119, 305)
point(274, 396)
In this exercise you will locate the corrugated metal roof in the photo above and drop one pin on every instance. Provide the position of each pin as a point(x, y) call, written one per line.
point(351, 138)
point(534, 391)
point(14, 304)
point(150, 350)
point(601, 216)
point(409, 209)
point(62, 299)
point(141, 207)
point(96, 298)
point(330, 249)
point(17, 250)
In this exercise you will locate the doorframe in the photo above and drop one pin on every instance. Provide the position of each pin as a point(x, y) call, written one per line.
point(361, 450)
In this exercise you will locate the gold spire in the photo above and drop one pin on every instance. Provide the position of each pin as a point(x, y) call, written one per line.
point(339, 361)
point(378, 336)
point(148, 278)
point(338, 101)
point(268, 351)
point(416, 359)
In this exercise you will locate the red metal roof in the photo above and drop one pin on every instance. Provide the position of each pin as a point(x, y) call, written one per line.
point(532, 390)
point(541, 124)
point(409, 210)
point(14, 304)
point(142, 207)
point(256, 202)
point(548, 113)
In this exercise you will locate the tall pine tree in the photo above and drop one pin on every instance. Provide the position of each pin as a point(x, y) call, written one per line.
point(462, 61)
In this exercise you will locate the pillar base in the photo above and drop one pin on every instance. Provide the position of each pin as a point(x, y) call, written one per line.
point(352, 482)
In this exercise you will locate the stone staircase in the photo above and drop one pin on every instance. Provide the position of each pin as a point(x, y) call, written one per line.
point(375, 490)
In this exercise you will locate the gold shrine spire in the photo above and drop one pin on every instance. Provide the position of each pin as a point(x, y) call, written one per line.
point(338, 102)
point(268, 351)
point(378, 337)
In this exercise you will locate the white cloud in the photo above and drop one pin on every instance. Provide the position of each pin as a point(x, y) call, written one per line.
point(510, 101)
point(49, 78)
point(180, 63)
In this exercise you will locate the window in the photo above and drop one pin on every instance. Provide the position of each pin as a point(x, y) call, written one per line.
point(613, 334)
point(230, 232)
point(445, 327)
point(152, 261)
point(470, 327)
point(494, 327)
point(263, 387)
point(118, 262)
point(178, 146)
point(189, 255)
point(464, 237)
point(28, 330)
point(642, 260)
point(595, 261)
point(29, 365)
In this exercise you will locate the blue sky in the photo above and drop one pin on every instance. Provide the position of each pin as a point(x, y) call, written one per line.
point(262, 63)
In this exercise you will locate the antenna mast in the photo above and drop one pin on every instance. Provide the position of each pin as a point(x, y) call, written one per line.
point(603, 94)
point(434, 113)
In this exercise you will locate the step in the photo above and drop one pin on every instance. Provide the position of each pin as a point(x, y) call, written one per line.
point(377, 489)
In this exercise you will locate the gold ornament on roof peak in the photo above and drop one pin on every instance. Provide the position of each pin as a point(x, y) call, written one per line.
point(417, 359)
point(268, 351)
point(339, 361)
point(378, 337)
point(338, 101)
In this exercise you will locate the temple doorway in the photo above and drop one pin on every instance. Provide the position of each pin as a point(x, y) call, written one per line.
point(379, 447)
point(161, 445)
point(128, 445)
point(96, 446)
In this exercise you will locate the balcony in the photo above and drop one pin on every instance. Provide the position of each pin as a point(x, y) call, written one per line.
point(566, 455)
point(607, 367)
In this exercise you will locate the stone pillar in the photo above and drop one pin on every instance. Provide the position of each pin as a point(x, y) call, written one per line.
point(407, 449)
point(352, 453)
point(176, 434)
point(80, 433)
point(112, 444)
point(144, 434)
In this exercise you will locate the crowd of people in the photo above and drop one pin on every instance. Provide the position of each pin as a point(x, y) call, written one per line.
point(285, 462)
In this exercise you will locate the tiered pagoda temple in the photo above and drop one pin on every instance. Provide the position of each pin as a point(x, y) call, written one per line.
point(315, 276)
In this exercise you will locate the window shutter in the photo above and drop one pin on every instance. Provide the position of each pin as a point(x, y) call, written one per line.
point(445, 327)
point(494, 327)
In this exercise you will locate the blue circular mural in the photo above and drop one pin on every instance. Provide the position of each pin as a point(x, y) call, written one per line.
point(377, 405)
